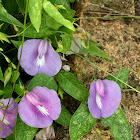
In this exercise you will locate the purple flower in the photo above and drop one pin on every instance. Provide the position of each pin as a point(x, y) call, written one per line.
point(40, 107)
point(104, 99)
point(38, 56)
point(9, 119)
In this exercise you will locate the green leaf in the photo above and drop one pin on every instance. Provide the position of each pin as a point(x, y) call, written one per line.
point(93, 50)
point(71, 85)
point(68, 14)
point(7, 91)
point(19, 89)
point(35, 7)
point(43, 31)
point(16, 43)
point(1, 92)
point(21, 4)
point(4, 16)
point(53, 12)
point(65, 116)
point(122, 75)
point(7, 75)
point(22, 131)
point(43, 80)
point(3, 37)
point(66, 42)
point(1, 75)
point(120, 128)
point(15, 74)
point(81, 122)
point(51, 22)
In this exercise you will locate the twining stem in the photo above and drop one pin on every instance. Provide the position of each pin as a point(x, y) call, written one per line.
point(117, 65)
point(108, 17)
point(19, 33)
point(94, 65)
point(18, 63)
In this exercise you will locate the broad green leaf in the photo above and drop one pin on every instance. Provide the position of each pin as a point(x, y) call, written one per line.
point(43, 80)
point(51, 22)
point(122, 75)
point(22, 131)
point(120, 128)
point(65, 116)
point(16, 43)
point(53, 12)
point(35, 7)
point(66, 42)
point(93, 50)
point(63, 29)
point(1, 75)
point(3, 37)
point(4, 16)
point(81, 122)
point(68, 14)
point(43, 31)
point(65, 3)
point(71, 85)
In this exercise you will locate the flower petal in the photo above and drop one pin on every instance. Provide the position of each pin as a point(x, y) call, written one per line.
point(50, 101)
point(32, 116)
point(53, 62)
point(111, 98)
point(11, 114)
point(29, 56)
point(50, 63)
point(5, 131)
point(94, 109)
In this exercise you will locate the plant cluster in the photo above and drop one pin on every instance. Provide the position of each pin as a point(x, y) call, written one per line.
point(43, 35)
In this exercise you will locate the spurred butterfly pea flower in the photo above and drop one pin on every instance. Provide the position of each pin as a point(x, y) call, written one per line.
point(10, 118)
point(38, 56)
point(104, 99)
point(40, 107)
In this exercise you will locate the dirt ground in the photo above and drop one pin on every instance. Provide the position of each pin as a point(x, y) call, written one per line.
point(120, 38)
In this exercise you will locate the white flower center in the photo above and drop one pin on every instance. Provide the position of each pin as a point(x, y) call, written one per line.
point(5, 121)
point(40, 61)
point(43, 110)
point(98, 101)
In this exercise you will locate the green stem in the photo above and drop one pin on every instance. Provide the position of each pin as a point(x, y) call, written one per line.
point(19, 33)
point(18, 63)
point(108, 17)
point(117, 65)
point(92, 64)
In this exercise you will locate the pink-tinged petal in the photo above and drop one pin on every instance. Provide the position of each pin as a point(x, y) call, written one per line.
point(32, 116)
point(99, 86)
point(50, 101)
point(29, 56)
point(92, 105)
point(6, 130)
point(52, 64)
point(111, 98)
